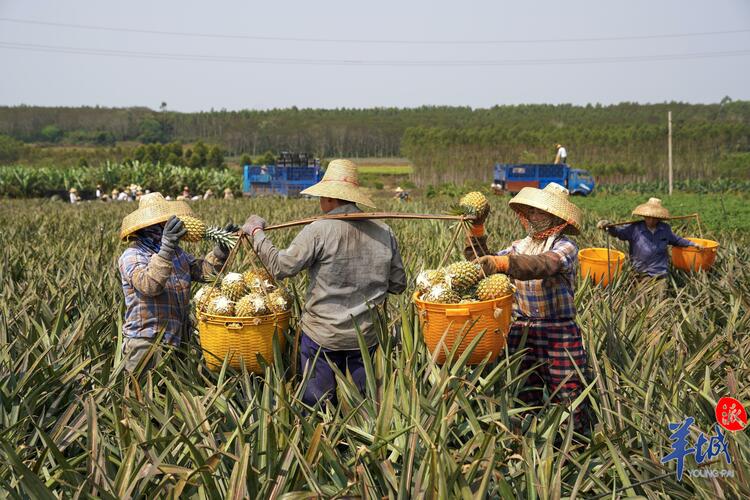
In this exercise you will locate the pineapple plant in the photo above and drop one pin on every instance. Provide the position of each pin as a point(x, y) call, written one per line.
point(494, 286)
point(220, 306)
point(463, 275)
point(475, 203)
point(252, 304)
point(233, 286)
point(198, 230)
point(258, 281)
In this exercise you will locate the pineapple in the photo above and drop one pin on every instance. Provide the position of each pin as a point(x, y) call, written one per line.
point(258, 281)
point(233, 286)
point(432, 277)
point(202, 297)
point(463, 275)
point(252, 304)
point(198, 230)
point(476, 203)
point(220, 306)
point(442, 295)
point(279, 301)
point(494, 286)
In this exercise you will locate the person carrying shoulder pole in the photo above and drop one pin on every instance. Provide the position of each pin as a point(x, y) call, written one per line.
point(543, 267)
point(156, 276)
point(353, 266)
point(648, 241)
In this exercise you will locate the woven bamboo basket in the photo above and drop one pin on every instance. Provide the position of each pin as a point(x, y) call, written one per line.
point(241, 339)
point(469, 320)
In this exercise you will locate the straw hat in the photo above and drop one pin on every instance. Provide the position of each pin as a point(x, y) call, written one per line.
point(340, 181)
point(553, 199)
point(152, 209)
point(73, 190)
point(399, 189)
point(652, 208)
point(227, 190)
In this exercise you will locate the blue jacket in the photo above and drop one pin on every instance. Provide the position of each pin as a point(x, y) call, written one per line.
point(648, 251)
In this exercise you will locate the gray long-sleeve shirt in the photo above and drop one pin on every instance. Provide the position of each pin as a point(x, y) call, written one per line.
point(352, 266)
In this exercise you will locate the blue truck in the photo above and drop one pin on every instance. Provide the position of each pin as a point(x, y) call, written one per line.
point(512, 177)
point(290, 174)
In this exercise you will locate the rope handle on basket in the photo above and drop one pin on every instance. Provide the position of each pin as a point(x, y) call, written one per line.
point(230, 258)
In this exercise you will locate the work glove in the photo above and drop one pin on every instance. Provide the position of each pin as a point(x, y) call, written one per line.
point(493, 264)
point(173, 230)
point(221, 251)
point(252, 224)
point(602, 224)
point(699, 247)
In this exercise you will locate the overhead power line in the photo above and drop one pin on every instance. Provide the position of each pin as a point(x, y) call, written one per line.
point(372, 41)
point(365, 62)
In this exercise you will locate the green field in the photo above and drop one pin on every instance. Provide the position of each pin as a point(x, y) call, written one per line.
point(71, 422)
point(386, 169)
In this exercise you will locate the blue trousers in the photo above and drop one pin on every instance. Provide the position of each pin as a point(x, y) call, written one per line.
point(322, 380)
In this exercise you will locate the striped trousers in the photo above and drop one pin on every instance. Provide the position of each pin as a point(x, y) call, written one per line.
point(556, 349)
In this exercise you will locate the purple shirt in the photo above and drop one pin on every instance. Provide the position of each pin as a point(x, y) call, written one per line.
point(648, 251)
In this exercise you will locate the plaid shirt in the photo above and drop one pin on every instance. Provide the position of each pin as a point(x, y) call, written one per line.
point(549, 298)
point(157, 292)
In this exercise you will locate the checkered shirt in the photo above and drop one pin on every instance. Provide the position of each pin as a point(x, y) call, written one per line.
point(549, 298)
point(151, 308)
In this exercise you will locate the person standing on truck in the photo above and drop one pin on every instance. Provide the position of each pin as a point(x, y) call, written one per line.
point(352, 264)
point(648, 241)
point(543, 268)
point(562, 154)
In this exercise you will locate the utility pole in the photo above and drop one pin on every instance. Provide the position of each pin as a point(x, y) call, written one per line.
point(669, 149)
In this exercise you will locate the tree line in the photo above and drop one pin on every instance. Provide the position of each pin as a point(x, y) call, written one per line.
point(626, 140)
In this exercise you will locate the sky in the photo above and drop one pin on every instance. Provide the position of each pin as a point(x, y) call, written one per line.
point(221, 54)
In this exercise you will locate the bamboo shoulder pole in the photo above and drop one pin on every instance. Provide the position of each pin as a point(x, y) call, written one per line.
point(369, 215)
point(691, 216)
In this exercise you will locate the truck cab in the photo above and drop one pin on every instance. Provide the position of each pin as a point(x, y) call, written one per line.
point(580, 182)
point(514, 177)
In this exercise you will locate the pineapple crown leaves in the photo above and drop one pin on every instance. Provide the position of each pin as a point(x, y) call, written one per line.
point(464, 211)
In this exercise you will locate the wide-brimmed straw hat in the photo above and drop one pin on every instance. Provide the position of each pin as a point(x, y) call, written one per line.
point(399, 189)
point(152, 209)
point(553, 199)
point(73, 190)
point(652, 208)
point(341, 182)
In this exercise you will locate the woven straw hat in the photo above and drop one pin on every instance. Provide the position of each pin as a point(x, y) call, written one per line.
point(652, 208)
point(73, 190)
point(399, 189)
point(553, 199)
point(340, 181)
point(152, 209)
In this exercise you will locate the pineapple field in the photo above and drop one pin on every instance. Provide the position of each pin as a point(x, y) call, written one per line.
point(72, 424)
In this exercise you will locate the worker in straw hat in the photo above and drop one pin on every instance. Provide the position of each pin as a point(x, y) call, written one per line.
point(543, 268)
point(156, 275)
point(352, 266)
point(648, 240)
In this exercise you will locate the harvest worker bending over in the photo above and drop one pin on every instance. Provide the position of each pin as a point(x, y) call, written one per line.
point(352, 266)
point(648, 241)
point(156, 275)
point(543, 266)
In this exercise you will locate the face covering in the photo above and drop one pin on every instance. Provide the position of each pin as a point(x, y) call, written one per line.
point(150, 237)
point(542, 228)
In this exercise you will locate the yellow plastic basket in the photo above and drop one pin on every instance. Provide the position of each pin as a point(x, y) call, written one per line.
point(494, 316)
point(242, 339)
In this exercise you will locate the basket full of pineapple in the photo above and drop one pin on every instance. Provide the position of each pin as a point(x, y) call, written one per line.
point(457, 303)
point(238, 317)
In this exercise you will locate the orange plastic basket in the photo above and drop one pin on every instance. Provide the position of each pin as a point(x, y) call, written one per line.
point(594, 264)
point(240, 339)
point(491, 315)
point(695, 259)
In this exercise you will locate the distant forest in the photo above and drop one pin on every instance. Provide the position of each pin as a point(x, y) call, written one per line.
point(626, 141)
